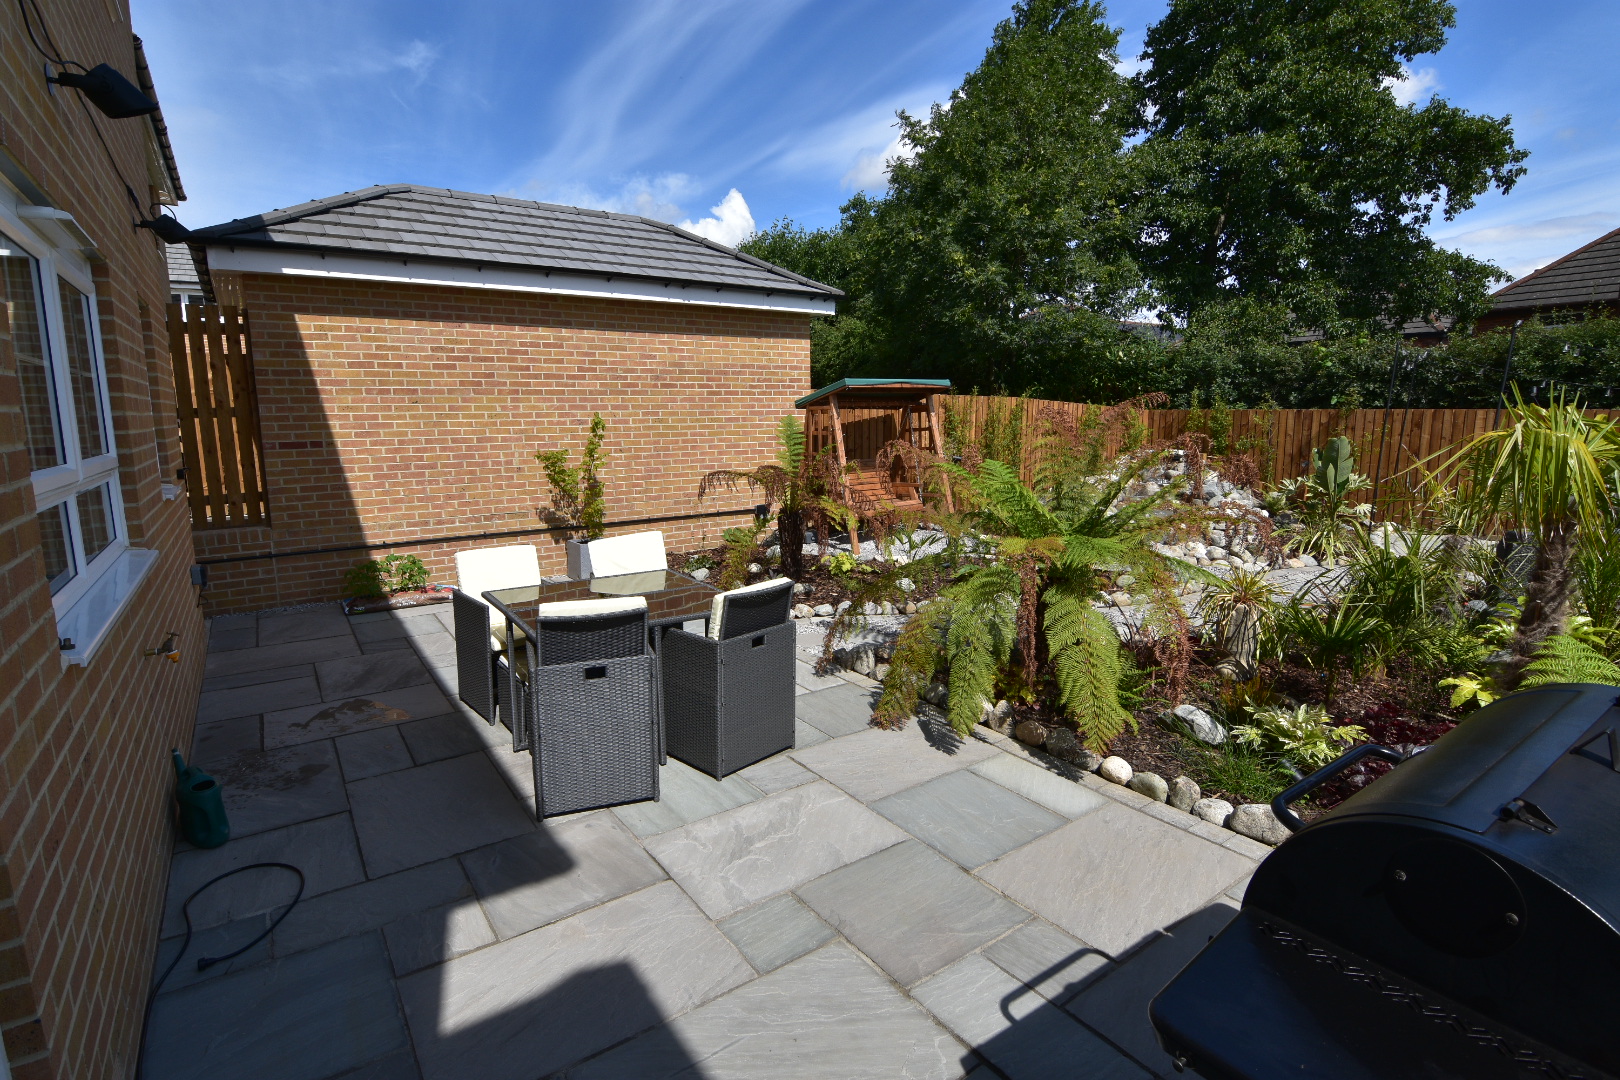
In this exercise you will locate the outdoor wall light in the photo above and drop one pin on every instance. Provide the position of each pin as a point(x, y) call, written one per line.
point(167, 228)
point(108, 91)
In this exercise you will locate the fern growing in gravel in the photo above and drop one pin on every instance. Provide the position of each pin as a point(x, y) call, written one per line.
point(1563, 658)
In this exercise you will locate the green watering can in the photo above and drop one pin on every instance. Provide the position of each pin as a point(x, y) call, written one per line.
point(202, 805)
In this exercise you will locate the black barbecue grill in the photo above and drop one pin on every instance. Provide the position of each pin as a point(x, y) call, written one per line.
point(1459, 918)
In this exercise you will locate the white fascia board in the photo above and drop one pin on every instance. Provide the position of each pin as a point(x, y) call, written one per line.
point(506, 279)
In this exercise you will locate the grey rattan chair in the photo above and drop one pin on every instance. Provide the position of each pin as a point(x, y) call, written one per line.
point(728, 696)
point(480, 630)
point(584, 706)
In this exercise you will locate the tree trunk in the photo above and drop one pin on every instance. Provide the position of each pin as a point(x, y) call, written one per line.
point(790, 535)
point(1546, 601)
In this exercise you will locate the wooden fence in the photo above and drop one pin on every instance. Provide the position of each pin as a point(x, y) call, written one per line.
point(219, 428)
point(1388, 443)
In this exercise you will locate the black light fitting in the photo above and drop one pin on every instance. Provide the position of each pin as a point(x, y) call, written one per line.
point(108, 91)
point(167, 228)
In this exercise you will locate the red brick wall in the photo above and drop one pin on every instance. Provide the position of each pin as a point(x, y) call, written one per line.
point(84, 780)
point(394, 413)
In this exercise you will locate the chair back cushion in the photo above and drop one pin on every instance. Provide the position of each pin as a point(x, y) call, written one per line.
point(751, 609)
point(572, 631)
point(634, 553)
point(483, 569)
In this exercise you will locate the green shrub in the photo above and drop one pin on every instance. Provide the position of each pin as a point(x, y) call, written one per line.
point(390, 574)
point(1303, 735)
point(576, 491)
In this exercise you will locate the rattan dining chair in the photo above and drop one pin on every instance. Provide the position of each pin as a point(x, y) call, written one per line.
point(480, 629)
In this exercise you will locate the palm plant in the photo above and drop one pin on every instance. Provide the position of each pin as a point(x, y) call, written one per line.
point(1322, 501)
point(1552, 472)
point(796, 484)
point(1239, 611)
point(1330, 637)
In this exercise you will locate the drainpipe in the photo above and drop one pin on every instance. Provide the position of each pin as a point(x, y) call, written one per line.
point(1501, 395)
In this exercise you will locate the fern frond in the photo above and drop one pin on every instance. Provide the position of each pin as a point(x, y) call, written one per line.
point(1087, 666)
point(979, 641)
point(790, 444)
point(916, 655)
point(1566, 659)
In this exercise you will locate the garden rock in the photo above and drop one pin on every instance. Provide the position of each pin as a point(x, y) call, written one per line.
point(1198, 723)
point(1183, 793)
point(905, 585)
point(886, 608)
point(1125, 581)
point(700, 574)
point(908, 608)
point(937, 694)
point(823, 610)
point(861, 659)
point(880, 671)
point(800, 588)
point(1214, 811)
point(803, 611)
point(1030, 732)
point(755, 568)
point(1257, 822)
point(1064, 743)
point(1116, 770)
point(843, 606)
point(997, 717)
point(871, 607)
point(1150, 784)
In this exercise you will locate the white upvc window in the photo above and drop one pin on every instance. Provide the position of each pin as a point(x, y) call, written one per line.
point(67, 417)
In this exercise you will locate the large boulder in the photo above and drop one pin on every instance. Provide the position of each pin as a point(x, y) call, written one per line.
point(1195, 722)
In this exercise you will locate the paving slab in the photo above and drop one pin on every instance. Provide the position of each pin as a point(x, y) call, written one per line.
point(1117, 1006)
point(219, 940)
point(873, 764)
point(370, 905)
point(237, 621)
point(1050, 789)
point(685, 795)
point(1048, 961)
point(256, 677)
point(211, 742)
point(776, 774)
point(556, 870)
point(291, 726)
point(424, 938)
point(352, 676)
point(279, 656)
point(245, 637)
point(431, 648)
point(804, 735)
point(839, 710)
point(417, 815)
point(438, 737)
point(804, 675)
point(735, 859)
point(826, 1015)
point(1114, 876)
point(532, 1005)
point(266, 789)
point(252, 700)
point(910, 910)
point(777, 931)
point(967, 818)
point(325, 850)
point(312, 1016)
point(400, 1065)
point(1019, 1032)
point(322, 622)
point(372, 753)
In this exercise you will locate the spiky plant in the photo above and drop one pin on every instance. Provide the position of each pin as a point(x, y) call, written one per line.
point(796, 484)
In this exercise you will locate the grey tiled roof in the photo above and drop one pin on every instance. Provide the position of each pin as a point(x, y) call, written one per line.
point(182, 271)
point(1586, 275)
point(492, 230)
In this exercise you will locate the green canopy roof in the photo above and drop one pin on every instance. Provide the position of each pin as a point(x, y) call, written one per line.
point(875, 388)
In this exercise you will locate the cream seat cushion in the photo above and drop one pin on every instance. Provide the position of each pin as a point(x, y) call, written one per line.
point(633, 553)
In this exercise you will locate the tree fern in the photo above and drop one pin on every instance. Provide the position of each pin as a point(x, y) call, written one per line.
point(1086, 666)
point(979, 640)
point(911, 669)
point(790, 444)
point(1565, 659)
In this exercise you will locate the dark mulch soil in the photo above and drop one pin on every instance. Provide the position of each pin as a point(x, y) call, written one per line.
point(824, 587)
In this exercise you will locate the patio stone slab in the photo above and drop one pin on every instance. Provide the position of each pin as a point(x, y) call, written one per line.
point(804, 675)
point(279, 656)
point(557, 870)
point(684, 796)
point(440, 737)
point(827, 1015)
point(1117, 1006)
point(967, 818)
point(433, 647)
point(839, 710)
point(324, 850)
point(779, 930)
point(352, 676)
point(229, 640)
point(1115, 876)
point(415, 816)
point(804, 735)
point(325, 621)
point(1051, 790)
point(1022, 1034)
point(215, 941)
point(258, 677)
point(266, 789)
point(372, 753)
point(425, 938)
point(873, 764)
point(250, 700)
point(537, 1003)
point(736, 859)
point(1048, 961)
point(910, 910)
point(291, 726)
point(211, 742)
point(370, 905)
point(309, 1017)
point(776, 774)
point(399, 1066)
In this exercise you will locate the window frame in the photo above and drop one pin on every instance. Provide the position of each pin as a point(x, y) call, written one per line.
point(62, 484)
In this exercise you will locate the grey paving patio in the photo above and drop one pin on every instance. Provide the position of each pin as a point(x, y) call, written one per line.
point(870, 904)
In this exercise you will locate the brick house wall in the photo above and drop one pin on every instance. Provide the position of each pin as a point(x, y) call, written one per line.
point(84, 777)
point(401, 414)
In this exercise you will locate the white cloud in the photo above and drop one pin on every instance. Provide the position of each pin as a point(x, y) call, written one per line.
point(656, 197)
point(857, 147)
point(731, 224)
point(1414, 85)
point(1590, 226)
point(871, 171)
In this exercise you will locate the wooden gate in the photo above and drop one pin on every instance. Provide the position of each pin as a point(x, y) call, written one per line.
point(218, 412)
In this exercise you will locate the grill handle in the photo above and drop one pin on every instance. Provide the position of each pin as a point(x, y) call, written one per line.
point(1279, 805)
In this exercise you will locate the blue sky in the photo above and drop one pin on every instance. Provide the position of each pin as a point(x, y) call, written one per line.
point(720, 115)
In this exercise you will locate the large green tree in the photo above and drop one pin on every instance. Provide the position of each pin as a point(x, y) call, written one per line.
point(1278, 165)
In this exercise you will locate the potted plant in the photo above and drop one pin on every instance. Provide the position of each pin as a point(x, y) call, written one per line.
point(393, 581)
point(577, 503)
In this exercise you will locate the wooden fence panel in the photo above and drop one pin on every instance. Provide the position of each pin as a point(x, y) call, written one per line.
point(218, 416)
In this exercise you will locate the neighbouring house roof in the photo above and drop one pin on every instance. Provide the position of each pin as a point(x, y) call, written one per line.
point(1587, 275)
point(160, 129)
point(875, 388)
point(457, 227)
point(182, 270)
point(1432, 326)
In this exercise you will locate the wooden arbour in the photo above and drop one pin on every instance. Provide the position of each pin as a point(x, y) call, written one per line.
point(856, 418)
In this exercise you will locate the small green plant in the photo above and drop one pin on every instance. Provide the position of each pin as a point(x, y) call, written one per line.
point(1565, 658)
point(1239, 612)
point(576, 490)
point(742, 548)
point(1480, 689)
point(1329, 639)
point(1241, 771)
point(841, 565)
point(390, 574)
point(1322, 501)
point(1304, 735)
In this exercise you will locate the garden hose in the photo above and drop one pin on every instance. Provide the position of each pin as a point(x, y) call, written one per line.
point(206, 962)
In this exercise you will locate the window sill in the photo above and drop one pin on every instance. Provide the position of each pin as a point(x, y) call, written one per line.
point(92, 615)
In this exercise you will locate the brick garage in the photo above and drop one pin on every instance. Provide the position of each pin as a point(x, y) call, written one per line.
point(404, 415)
point(84, 776)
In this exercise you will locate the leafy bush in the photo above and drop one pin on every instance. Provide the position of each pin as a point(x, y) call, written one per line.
point(1321, 501)
point(576, 491)
point(1303, 735)
point(1564, 658)
point(390, 574)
